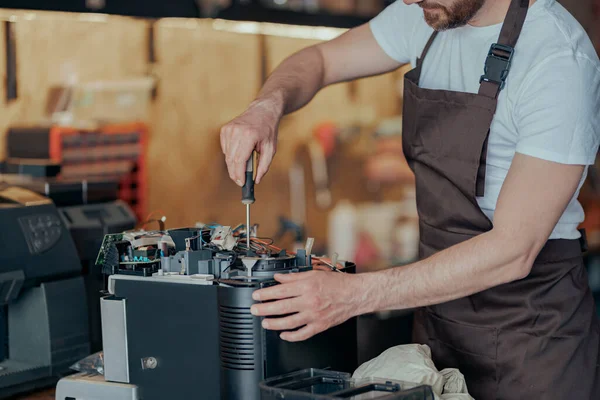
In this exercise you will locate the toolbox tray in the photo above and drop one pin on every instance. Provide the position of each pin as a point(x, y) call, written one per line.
point(316, 384)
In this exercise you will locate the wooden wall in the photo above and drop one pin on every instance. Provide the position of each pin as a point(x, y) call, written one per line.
point(207, 73)
point(205, 78)
point(52, 46)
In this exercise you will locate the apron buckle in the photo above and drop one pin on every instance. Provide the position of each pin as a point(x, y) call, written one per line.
point(497, 64)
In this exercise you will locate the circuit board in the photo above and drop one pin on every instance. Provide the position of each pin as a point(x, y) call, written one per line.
point(106, 242)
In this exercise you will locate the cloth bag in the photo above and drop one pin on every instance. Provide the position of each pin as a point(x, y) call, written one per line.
point(412, 363)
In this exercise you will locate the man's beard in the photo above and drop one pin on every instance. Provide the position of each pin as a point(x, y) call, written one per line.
point(458, 14)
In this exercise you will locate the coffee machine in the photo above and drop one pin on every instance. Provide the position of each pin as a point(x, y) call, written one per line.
point(43, 313)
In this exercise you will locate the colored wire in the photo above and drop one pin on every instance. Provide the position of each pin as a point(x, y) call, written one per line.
point(154, 212)
point(315, 260)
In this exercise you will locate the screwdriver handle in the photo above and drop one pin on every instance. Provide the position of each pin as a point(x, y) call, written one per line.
point(248, 189)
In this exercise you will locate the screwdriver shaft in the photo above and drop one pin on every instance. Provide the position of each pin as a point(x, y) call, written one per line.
point(248, 226)
point(248, 195)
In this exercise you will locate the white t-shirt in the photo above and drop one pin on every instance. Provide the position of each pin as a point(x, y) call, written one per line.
point(550, 106)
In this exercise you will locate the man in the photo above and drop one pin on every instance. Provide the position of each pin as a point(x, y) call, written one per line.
point(499, 159)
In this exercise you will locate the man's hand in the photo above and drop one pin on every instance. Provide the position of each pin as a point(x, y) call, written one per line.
point(355, 54)
point(255, 129)
point(316, 300)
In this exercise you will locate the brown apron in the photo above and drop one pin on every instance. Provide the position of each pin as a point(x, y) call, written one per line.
point(536, 338)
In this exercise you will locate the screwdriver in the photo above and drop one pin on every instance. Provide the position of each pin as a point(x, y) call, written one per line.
point(248, 195)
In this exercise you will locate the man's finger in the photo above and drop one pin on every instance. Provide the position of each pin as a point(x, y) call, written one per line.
point(277, 292)
point(229, 157)
point(301, 334)
point(280, 307)
point(223, 141)
point(294, 276)
point(286, 323)
point(264, 162)
point(241, 156)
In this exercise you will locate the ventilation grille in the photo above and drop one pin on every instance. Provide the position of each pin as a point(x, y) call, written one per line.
point(236, 338)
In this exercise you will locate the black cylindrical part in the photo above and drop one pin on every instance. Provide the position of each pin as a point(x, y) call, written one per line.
point(240, 344)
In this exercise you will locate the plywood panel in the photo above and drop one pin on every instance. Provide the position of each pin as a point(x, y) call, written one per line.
point(205, 78)
point(364, 102)
point(208, 73)
point(51, 47)
point(8, 110)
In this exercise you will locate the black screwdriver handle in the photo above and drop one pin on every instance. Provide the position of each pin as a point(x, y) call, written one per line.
point(248, 189)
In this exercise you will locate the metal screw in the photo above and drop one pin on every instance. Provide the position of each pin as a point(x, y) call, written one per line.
point(149, 363)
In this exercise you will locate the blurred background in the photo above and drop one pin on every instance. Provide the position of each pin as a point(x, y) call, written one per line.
point(135, 92)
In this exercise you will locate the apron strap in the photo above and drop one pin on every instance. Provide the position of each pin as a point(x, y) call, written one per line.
point(423, 55)
point(426, 49)
point(497, 64)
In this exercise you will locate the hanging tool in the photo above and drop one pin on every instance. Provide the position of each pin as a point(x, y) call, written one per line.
point(320, 176)
point(248, 194)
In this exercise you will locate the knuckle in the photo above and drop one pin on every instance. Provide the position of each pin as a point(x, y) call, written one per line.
point(320, 316)
point(319, 327)
point(307, 286)
point(248, 132)
point(275, 323)
point(285, 323)
point(238, 160)
point(301, 319)
point(310, 331)
point(313, 302)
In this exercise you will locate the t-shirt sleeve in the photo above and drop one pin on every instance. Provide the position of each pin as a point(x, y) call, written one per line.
point(394, 30)
point(557, 112)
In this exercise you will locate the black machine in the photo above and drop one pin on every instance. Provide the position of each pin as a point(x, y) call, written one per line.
point(178, 325)
point(88, 208)
point(88, 223)
point(43, 314)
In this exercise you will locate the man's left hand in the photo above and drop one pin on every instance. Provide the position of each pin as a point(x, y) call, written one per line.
point(314, 301)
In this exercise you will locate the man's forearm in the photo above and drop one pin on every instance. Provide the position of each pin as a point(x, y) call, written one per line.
point(295, 81)
point(480, 263)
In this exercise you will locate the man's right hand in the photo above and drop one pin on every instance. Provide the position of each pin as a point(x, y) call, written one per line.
point(355, 54)
point(255, 129)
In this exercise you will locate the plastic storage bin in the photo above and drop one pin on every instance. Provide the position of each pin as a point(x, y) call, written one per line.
point(315, 384)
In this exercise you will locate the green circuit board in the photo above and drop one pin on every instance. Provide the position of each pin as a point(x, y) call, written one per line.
point(106, 242)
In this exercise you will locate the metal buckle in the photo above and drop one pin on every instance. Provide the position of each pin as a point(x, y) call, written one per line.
point(497, 64)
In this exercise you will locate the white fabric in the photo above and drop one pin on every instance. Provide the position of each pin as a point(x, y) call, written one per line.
point(550, 107)
point(412, 363)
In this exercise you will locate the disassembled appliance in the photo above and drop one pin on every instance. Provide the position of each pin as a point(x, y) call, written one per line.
point(177, 322)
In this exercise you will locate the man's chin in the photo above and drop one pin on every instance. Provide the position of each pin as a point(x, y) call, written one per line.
point(436, 20)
